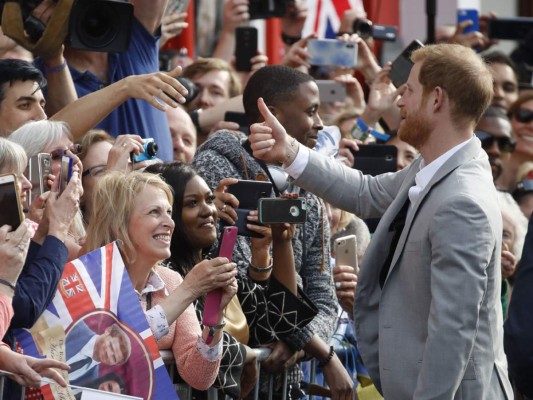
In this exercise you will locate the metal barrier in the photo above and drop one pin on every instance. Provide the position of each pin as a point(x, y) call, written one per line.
point(185, 391)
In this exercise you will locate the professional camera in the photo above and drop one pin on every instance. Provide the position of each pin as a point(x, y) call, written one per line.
point(365, 28)
point(150, 151)
point(95, 25)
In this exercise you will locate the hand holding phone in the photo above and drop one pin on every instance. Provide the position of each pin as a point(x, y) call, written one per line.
point(213, 298)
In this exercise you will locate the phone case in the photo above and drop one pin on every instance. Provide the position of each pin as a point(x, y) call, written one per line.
point(39, 167)
point(469, 14)
point(245, 47)
point(213, 298)
point(332, 52)
point(346, 251)
point(10, 202)
point(331, 91)
point(401, 66)
point(65, 173)
point(375, 159)
point(280, 210)
point(249, 192)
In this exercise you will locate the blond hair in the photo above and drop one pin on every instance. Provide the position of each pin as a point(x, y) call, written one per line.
point(464, 76)
point(12, 157)
point(113, 202)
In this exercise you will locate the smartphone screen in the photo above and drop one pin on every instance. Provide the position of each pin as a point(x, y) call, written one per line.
point(10, 206)
point(401, 66)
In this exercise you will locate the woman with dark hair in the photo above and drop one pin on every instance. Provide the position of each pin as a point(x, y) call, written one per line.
point(195, 234)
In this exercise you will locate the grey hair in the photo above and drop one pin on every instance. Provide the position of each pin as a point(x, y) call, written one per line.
point(12, 157)
point(510, 208)
point(35, 136)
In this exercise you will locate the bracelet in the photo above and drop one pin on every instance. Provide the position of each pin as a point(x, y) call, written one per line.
point(57, 68)
point(322, 364)
point(360, 131)
point(289, 40)
point(8, 284)
point(211, 331)
point(261, 270)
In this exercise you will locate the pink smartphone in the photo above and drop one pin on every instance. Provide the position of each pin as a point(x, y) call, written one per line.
point(212, 299)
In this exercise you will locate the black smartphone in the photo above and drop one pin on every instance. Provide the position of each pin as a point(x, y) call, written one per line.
point(10, 203)
point(375, 159)
point(249, 192)
point(401, 66)
point(280, 210)
point(245, 47)
point(515, 28)
point(65, 173)
point(39, 167)
point(239, 118)
point(261, 9)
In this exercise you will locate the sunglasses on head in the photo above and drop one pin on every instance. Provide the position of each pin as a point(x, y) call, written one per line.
point(523, 115)
point(57, 154)
point(505, 143)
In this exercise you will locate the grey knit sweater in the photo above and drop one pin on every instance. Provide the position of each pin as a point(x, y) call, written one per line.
point(222, 156)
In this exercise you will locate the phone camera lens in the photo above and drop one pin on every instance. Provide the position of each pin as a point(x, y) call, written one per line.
point(294, 211)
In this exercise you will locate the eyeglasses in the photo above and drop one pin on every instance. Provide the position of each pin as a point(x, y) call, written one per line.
point(96, 171)
point(57, 154)
point(523, 115)
point(505, 144)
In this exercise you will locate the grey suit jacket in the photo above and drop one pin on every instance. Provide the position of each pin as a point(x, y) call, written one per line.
point(435, 329)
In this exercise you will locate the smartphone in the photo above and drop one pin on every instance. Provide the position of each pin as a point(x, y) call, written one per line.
point(212, 299)
point(401, 66)
point(177, 6)
point(65, 173)
point(39, 167)
point(330, 91)
point(469, 14)
point(332, 52)
point(510, 28)
point(280, 210)
point(239, 118)
point(249, 192)
point(245, 47)
point(375, 159)
point(346, 251)
point(261, 9)
point(10, 205)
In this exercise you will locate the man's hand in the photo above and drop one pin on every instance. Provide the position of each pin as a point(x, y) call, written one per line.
point(269, 140)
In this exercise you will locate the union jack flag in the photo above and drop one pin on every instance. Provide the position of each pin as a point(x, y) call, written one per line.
point(95, 291)
point(325, 16)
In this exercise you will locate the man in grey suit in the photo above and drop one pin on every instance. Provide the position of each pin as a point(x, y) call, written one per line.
point(427, 310)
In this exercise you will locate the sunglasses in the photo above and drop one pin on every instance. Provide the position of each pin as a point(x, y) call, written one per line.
point(523, 115)
point(57, 154)
point(505, 144)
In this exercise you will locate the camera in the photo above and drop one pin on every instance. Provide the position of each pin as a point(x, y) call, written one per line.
point(150, 151)
point(191, 88)
point(365, 28)
point(95, 25)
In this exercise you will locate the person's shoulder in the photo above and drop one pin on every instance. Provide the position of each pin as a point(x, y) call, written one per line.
point(168, 276)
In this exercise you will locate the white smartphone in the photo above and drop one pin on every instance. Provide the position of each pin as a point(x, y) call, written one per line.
point(332, 52)
point(346, 251)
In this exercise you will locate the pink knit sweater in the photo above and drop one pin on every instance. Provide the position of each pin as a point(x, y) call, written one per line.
point(6, 313)
point(197, 371)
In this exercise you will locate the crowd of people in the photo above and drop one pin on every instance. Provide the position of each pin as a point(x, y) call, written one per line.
point(436, 303)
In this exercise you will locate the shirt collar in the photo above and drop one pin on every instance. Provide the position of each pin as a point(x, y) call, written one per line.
point(154, 284)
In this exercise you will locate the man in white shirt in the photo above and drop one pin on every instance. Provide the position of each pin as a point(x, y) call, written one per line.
point(427, 312)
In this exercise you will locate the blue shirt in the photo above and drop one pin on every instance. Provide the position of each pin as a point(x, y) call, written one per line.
point(133, 116)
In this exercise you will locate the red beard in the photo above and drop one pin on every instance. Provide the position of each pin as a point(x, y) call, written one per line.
point(415, 129)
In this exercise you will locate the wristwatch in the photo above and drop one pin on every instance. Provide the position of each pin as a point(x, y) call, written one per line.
point(211, 331)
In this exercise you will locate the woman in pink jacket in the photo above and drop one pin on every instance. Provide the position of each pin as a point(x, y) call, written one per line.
point(135, 209)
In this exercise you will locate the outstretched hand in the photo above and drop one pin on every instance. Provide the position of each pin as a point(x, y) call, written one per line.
point(269, 139)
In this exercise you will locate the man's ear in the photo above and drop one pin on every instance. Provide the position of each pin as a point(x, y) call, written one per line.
point(274, 110)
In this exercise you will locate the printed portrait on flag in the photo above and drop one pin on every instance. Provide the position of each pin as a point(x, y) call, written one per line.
point(95, 324)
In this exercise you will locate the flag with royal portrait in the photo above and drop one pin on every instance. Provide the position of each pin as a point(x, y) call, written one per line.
point(95, 323)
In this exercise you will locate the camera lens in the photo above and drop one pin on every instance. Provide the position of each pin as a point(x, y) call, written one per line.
point(97, 28)
point(151, 149)
point(363, 27)
point(294, 211)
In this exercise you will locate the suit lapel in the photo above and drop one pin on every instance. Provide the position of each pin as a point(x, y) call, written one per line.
point(468, 152)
